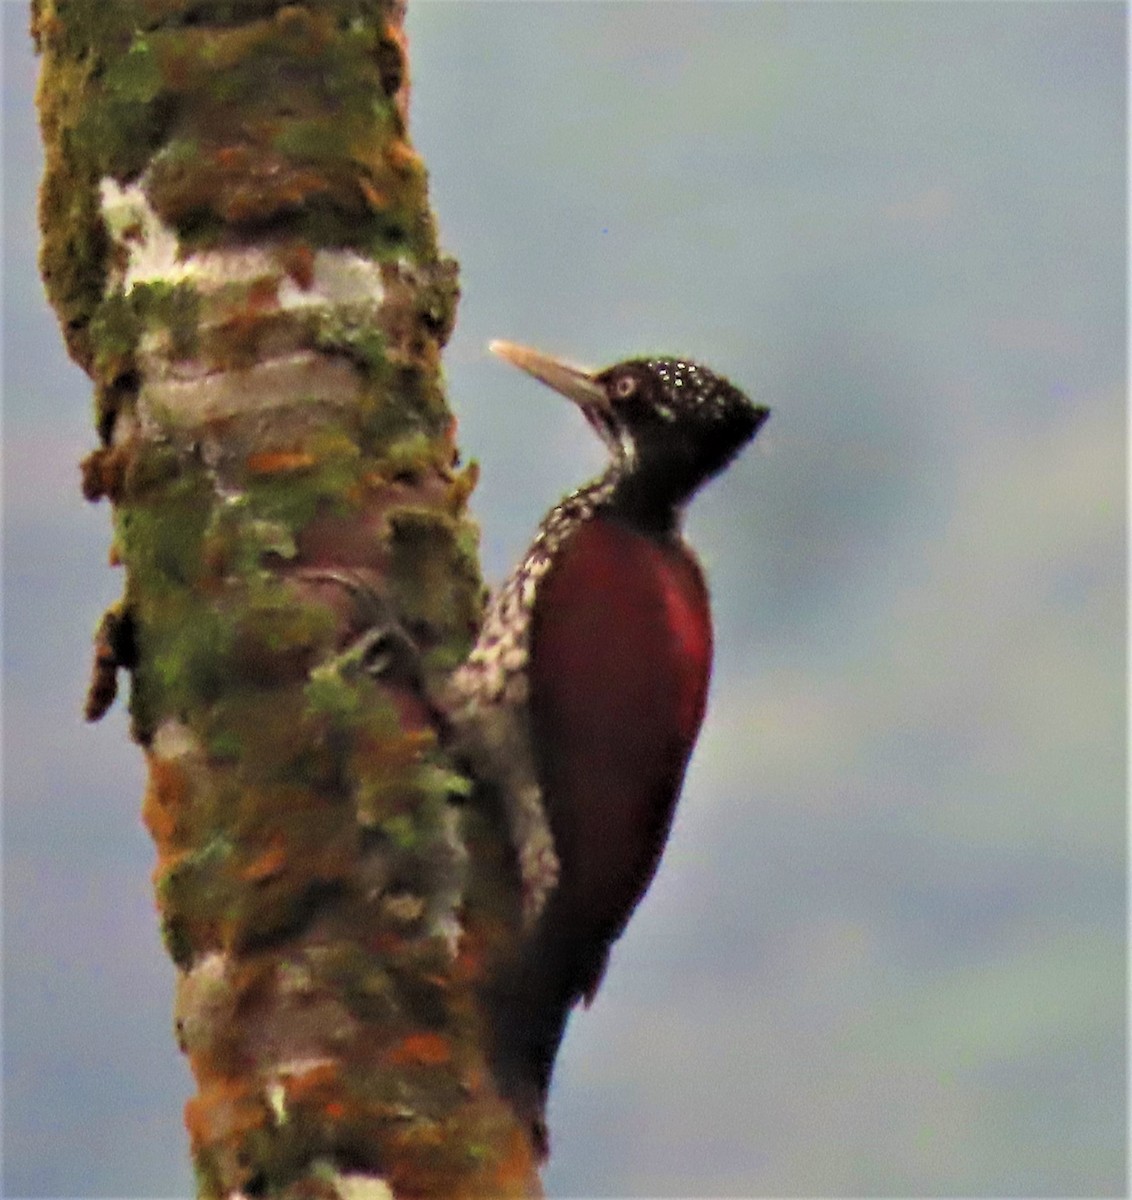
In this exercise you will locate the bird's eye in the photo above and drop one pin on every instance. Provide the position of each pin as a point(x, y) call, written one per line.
point(625, 387)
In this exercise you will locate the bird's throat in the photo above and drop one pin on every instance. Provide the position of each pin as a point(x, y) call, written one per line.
point(646, 500)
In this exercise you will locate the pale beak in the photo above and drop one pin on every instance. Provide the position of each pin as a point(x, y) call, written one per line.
point(572, 382)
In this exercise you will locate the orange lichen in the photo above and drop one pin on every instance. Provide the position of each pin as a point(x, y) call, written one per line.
point(401, 156)
point(314, 1086)
point(395, 33)
point(297, 259)
point(375, 198)
point(104, 472)
point(421, 1049)
point(463, 484)
point(472, 956)
point(269, 462)
point(166, 795)
point(224, 1108)
point(262, 294)
point(270, 862)
point(517, 1167)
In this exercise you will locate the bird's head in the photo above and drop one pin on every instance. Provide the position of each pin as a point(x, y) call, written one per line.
point(669, 423)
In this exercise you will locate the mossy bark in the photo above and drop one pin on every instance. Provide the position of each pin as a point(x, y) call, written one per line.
point(237, 241)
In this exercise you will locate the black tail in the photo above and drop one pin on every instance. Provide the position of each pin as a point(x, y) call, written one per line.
point(528, 1005)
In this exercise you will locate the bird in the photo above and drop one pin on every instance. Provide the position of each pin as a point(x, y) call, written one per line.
point(581, 699)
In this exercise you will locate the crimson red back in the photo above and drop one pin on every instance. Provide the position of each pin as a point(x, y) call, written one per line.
point(621, 656)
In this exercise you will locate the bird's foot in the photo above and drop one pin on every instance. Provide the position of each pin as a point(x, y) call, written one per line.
point(383, 648)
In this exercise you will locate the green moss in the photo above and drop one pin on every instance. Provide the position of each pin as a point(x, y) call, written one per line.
point(207, 1174)
point(314, 140)
point(269, 65)
point(270, 730)
point(162, 535)
point(435, 581)
point(127, 113)
point(351, 331)
point(182, 150)
point(275, 622)
point(292, 499)
point(177, 939)
point(408, 457)
point(443, 659)
point(331, 692)
point(342, 690)
point(186, 653)
point(270, 619)
point(438, 782)
point(74, 245)
point(197, 889)
point(420, 392)
point(401, 406)
point(121, 319)
point(361, 979)
point(154, 466)
point(410, 806)
point(260, 538)
point(188, 628)
point(76, 27)
point(117, 329)
point(135, 75)
point(402, 831)
point(468, 540)
point(439, 298)
point(122, 125)
point(175, 307)
point(225, 745)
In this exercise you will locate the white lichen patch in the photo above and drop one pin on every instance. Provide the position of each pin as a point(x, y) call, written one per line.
point(446, 891)
point(277, 1101)
point(346, 1186)
point(340, 277)
point(173, 740)
point(404, 907)
point(196, 390)
point(182, 396)
point(362, 1187)
point(153, 254)
point(275, 1091)
point(152, 247)
point(298, 1068)
point(209, 970)
point(204, 1001)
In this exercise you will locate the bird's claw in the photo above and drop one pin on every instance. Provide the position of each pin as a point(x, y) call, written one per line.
point(383, 649)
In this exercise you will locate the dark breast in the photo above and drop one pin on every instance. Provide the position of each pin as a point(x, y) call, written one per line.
point(620, 658)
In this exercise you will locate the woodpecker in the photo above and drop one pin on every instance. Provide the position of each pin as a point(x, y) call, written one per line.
point(581, 700)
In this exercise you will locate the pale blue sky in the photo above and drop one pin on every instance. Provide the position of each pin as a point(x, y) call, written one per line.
point(885, 953)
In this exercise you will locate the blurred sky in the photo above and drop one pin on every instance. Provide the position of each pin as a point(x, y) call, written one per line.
point(885, 953)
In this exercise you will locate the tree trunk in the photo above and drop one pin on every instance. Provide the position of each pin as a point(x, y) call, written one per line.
point(237, 241)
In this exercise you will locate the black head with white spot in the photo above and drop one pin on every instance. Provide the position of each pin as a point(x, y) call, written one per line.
point(674, 416)
point(669, 423)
